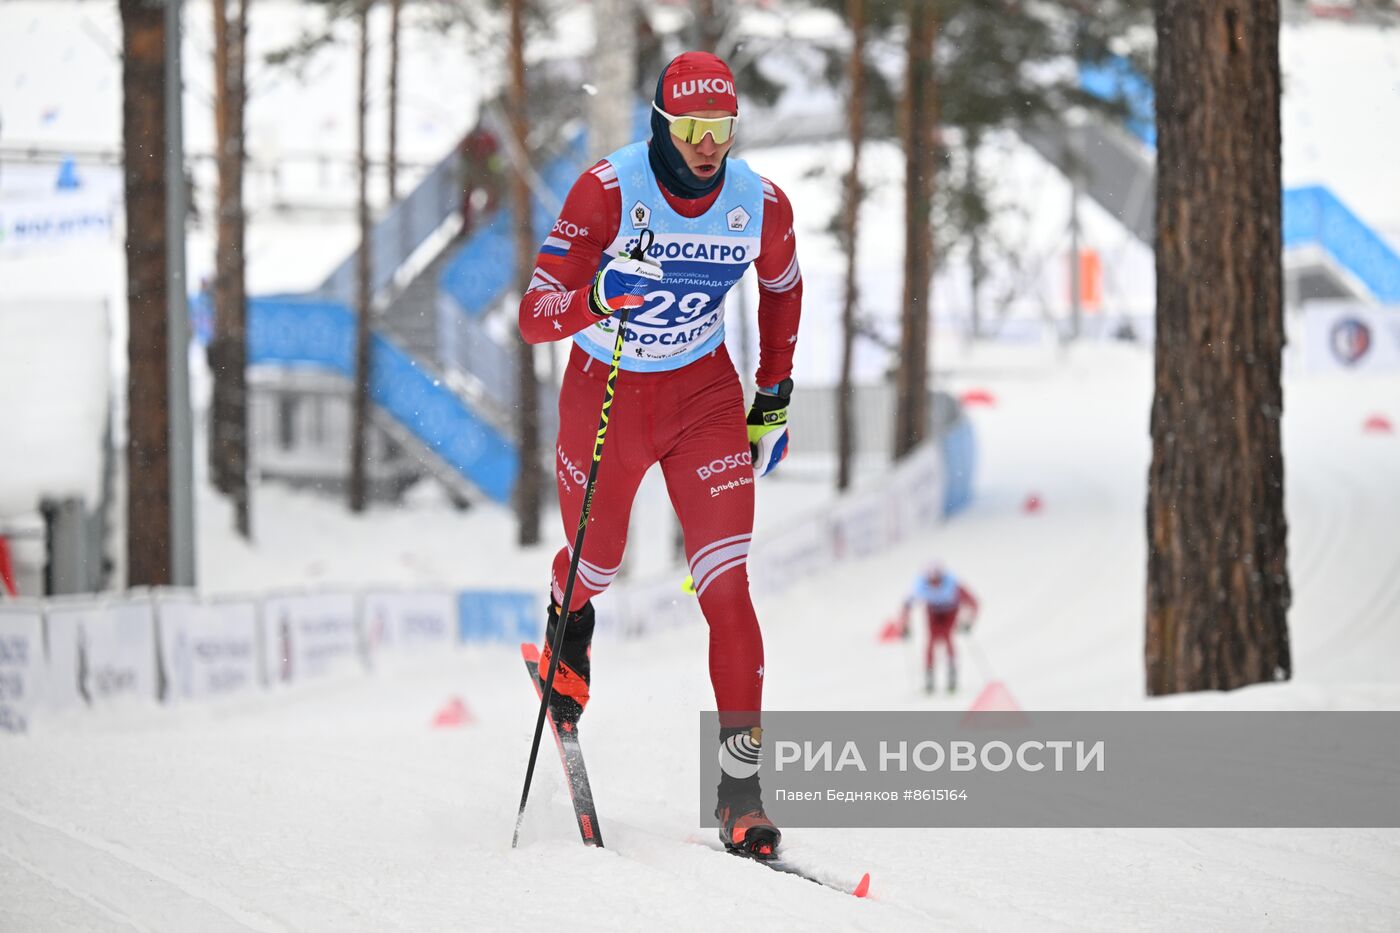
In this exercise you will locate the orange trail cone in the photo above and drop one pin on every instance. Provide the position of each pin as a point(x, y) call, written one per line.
point(977, 397)
point(995, 698)
point(994, 708)
point(453, 714)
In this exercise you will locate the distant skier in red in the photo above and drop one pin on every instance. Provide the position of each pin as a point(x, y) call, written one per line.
point(944, 598)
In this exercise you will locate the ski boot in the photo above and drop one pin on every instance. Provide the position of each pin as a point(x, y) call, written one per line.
point(570, 693)
point(743, 826)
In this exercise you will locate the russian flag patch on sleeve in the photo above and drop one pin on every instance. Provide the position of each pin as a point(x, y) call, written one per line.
point(555, 246)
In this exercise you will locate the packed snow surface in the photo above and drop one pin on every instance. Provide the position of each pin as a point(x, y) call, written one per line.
point(335, 806)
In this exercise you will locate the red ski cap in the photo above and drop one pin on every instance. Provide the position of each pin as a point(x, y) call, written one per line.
point(697, 81)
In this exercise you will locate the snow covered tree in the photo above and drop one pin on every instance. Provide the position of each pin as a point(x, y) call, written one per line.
point(1217, 582)
point(148, 507)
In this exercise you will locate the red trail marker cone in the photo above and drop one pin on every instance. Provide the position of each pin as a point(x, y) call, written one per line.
point(1378, 424)
point(893, 631)
point(995, 698)
point(978, 397)
point(453, 714)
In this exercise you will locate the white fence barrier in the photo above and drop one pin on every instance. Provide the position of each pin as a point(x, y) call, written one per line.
point(207, 649)
point(21, 664)
point(909, 499)
point(100, 653)
point(174, 646)
point(310, 635)
point(408, 621)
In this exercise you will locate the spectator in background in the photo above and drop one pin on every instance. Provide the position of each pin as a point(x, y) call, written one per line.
point(944, 598)
point(482, 173)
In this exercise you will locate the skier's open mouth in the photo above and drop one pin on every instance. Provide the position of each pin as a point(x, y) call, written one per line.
point(706, 169)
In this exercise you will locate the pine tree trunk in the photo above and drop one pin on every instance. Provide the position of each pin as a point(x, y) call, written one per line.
point(919, 127)
point(228, 441)
point(395, 7)
point(709, 25)
point(359, 443)
point(1218, 591)
point(610, 108)
point(529, 482)
point(976, 267)
point(148, 531)
point(855, 120)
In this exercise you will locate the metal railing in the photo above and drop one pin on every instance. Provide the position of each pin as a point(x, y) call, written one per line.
point(396, 235)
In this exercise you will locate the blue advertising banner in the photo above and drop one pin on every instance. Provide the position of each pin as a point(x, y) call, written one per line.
point(499, 615)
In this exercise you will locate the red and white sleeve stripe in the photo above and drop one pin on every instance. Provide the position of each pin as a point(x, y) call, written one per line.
point(555, 304)
point(606, 174)
point(779, 288)
point(787, 281)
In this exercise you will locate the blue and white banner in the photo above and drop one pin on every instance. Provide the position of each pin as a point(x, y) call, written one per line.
point(21, 664)
point(404, 622)
point(1351, 337)
point(309, 635)
point(505, 616)
point(44, 222)
point(207, 649)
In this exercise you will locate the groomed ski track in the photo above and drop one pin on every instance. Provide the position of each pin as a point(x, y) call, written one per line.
point(334, 806)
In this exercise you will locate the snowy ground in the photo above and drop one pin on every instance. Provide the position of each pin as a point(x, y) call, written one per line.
point(336, 807)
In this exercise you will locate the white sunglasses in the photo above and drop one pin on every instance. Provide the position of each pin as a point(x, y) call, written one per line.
point(694, 129)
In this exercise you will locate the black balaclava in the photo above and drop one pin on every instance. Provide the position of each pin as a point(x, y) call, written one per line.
point(666, 161)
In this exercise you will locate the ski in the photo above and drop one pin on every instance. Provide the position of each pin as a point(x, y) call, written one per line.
point(571, 755)
point(576, 777)
point(861, 888)
point(781, 865)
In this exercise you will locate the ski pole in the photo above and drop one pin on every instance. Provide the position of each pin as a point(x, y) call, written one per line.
point(980, 657)
point(644, 241)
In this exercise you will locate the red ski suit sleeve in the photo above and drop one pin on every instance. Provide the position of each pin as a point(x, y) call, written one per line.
point(965, 598)
point(555, 305)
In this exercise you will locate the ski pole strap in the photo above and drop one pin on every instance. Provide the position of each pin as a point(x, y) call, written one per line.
point(645, 239)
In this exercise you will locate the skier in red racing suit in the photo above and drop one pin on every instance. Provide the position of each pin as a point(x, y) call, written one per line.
point(678, 399)
point(944, 598)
